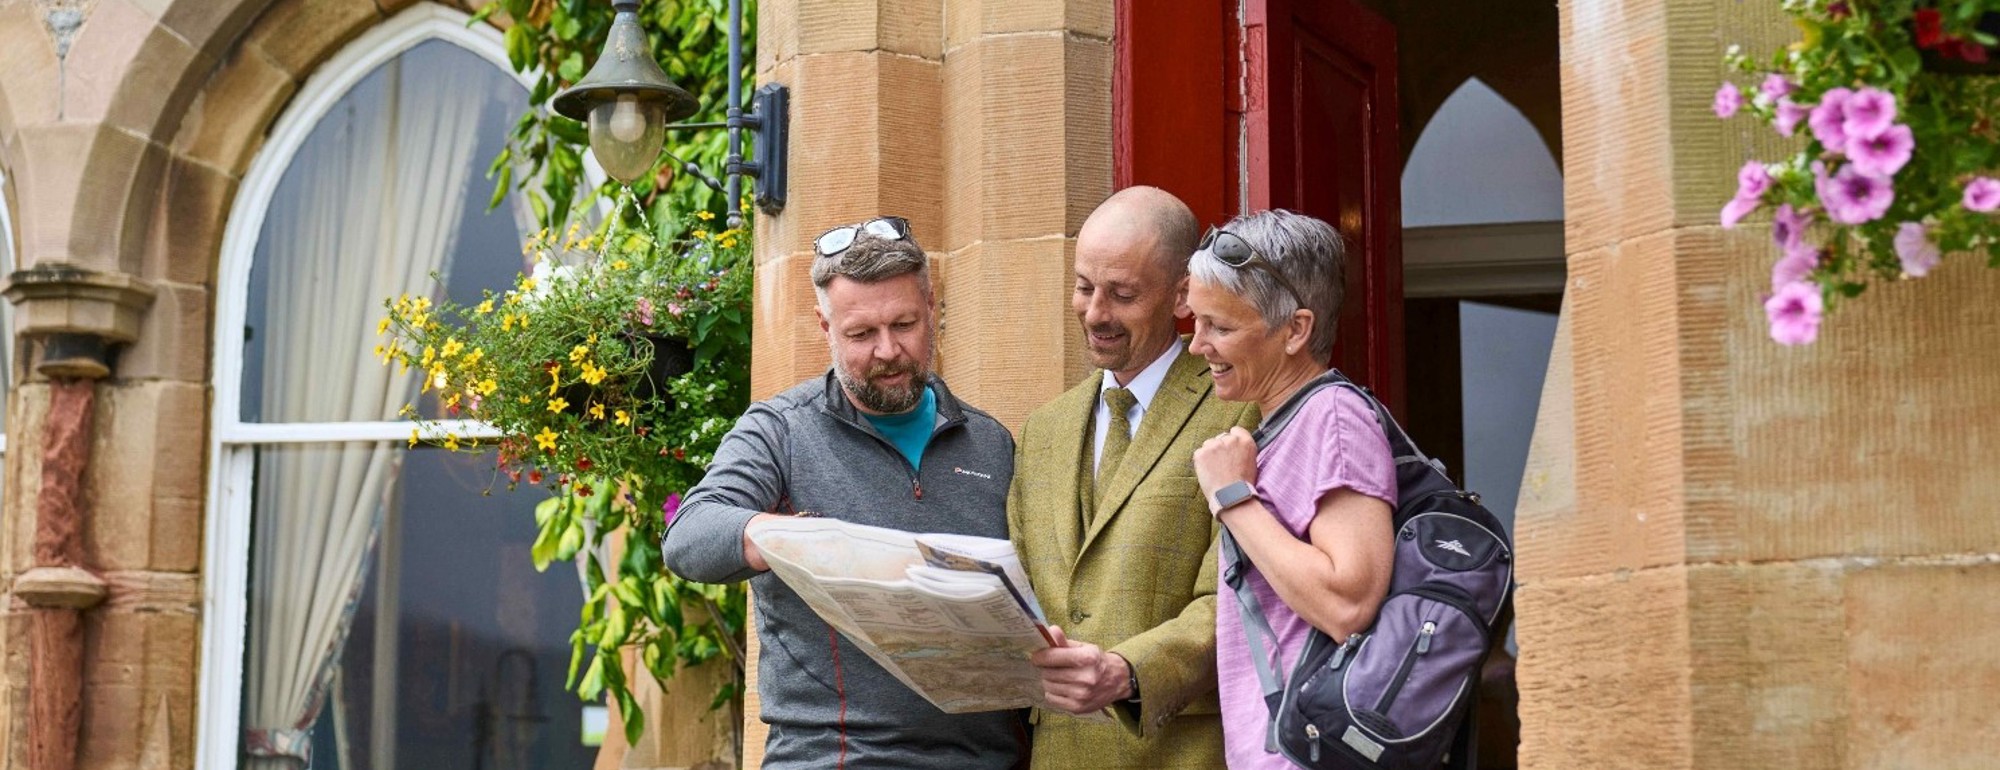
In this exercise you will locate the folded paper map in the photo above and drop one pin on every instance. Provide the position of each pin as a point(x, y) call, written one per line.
point(951, 616)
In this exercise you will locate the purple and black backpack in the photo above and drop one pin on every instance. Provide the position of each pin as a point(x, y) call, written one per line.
point(1394, 696)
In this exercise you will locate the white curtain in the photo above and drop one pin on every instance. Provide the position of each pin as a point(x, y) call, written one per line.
point(377, 196)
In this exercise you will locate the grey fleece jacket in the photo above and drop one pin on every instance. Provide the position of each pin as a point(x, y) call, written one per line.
point(809, 449)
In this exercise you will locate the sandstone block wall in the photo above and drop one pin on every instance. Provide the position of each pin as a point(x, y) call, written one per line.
point(1730, 550)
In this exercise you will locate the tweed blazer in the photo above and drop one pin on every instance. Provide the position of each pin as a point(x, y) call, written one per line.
point(1139, 578)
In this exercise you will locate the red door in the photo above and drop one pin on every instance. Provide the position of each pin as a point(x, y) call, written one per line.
point(1320, 138)
point(1293, 106)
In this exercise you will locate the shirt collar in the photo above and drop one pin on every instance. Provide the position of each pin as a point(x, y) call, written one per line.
point(1150, 379)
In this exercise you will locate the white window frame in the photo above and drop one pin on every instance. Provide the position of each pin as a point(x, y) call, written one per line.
point(226, 538)
point(7, 267)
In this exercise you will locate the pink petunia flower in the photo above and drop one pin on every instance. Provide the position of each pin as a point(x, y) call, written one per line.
point(1794, 312)
point(1852, 197)
point(1882, 154)
point(1914, 248)
point(1728, 99)
point(1788, 226)
point(1751, 183)
point(1752, 180)
point(1868, 112)
point(1827, 119)
point(669, 508)
point(1787, 115)
point(1795, 265)
point(1775, 87)
point(644, 311)
point(1736, 209)
point(1982, 194)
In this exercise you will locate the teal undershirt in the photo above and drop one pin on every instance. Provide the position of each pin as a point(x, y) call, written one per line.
point(911, 430)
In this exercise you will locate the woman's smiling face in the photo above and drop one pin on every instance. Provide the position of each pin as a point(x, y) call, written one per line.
point(1246, 358)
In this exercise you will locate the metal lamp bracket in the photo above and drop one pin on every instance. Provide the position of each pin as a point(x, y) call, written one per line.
point(770, 113)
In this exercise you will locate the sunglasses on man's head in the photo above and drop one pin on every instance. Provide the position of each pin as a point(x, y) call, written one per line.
point(833, 242)
point(1232, 250)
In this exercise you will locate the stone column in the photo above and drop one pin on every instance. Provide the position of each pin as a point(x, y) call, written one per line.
point(77, 314)
point(1732, 553)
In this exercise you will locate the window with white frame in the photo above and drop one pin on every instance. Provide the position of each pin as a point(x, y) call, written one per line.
point(369, 606)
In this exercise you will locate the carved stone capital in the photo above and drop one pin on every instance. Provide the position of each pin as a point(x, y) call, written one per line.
point(60, 587)
point(60, 299)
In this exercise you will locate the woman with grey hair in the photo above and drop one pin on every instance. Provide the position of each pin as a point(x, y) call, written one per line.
point(1312, 509)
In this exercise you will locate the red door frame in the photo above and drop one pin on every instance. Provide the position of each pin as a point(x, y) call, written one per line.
point(1182, 123)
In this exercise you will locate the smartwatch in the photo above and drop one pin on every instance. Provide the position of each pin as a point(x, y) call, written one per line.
point(1236, 493)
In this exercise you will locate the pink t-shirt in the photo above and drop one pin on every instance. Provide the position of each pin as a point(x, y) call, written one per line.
point(1332, 442)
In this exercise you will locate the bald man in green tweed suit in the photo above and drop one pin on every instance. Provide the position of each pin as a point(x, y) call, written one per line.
point(1106, 514)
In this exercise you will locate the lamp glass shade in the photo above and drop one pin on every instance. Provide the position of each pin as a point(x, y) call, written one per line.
point(626, 135)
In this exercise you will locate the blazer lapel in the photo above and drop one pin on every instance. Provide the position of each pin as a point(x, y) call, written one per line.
point(1186, 384)
point(1066, 449)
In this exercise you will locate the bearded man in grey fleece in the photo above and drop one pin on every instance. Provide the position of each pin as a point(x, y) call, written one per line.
point(876, 440)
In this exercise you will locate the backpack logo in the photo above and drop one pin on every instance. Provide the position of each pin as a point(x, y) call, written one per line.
point(1455, 547)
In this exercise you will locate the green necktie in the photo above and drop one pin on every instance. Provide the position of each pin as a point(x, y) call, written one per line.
point(1119, 438)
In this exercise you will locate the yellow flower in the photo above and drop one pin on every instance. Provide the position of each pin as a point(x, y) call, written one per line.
point(382, 327)
point(472, 359)
point(729, 243)
point(623, 418)
point(528, 284)
point(546, 440)
point(451, 347)
point(451, 441)
point(557, 404)
point(430, 354)
point(578, 353)
point(616, 264)
point(487, 386)
point(597, 411)
point(555, 378)
point(452, 400)
point(593, 374)
point(506, 322)
point(700, 233)
point(704, 215)
point(484, 307)
point(527, 399)
point(413, 438)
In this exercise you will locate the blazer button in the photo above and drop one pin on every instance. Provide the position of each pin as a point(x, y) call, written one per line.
point(1077, 616)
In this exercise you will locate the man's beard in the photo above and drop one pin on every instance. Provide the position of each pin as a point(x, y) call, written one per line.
point(878, 398)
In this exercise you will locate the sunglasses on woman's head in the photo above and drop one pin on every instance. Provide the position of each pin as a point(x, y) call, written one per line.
point(833, 242)
point(1232, 250)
